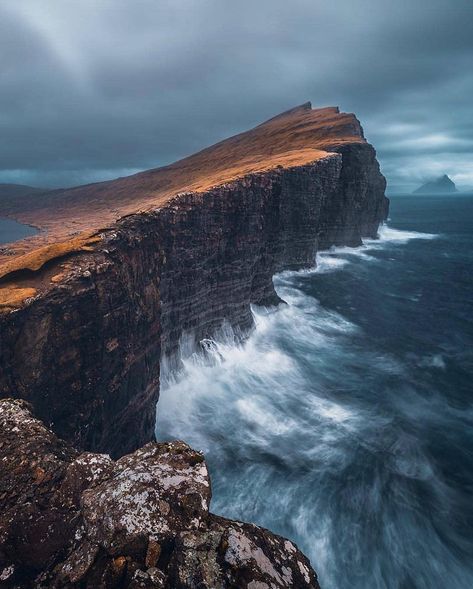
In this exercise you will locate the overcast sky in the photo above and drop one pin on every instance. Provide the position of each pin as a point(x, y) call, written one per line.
point(95, 89)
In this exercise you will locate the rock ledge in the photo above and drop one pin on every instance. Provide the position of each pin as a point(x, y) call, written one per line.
point(70, 519)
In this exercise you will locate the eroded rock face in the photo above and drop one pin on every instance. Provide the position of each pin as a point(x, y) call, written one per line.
point(71, 520)
point(87, 351)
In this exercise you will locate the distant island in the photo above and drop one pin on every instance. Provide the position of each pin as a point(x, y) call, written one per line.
point(442, 185)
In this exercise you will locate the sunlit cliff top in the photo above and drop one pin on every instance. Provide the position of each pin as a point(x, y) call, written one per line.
point(70, 218)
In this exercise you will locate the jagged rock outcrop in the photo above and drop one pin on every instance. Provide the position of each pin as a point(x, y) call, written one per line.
point(85, 323)
point(75, 520)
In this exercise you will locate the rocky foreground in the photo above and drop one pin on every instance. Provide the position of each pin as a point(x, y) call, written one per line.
point(82, 520)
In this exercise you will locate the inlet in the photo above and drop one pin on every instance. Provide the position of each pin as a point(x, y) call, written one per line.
point(11, 231)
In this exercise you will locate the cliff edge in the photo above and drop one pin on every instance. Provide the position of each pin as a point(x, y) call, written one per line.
point(69, 217)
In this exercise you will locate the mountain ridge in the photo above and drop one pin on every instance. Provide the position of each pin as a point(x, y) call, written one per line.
point(296, 137)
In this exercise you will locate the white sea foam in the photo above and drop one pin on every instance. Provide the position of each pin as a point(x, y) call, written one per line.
point(388, 234)
point(336, 258)
point(329, 262)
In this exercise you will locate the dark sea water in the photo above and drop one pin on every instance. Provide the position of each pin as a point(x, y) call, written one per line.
point(13, 231)
point(346, 421)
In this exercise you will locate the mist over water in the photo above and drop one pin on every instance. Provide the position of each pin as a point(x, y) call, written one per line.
point(345, 421)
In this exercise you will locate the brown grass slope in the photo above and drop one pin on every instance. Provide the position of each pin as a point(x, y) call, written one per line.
point(68, 218)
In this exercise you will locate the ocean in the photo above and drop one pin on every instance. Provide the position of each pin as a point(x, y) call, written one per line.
point(345, 422)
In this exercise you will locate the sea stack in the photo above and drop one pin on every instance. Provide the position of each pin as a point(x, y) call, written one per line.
point(441, 185)
point(92, 305)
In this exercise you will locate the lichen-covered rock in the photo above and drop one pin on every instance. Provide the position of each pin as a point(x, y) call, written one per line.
point(158, 489)
point(234, 554)
point(70, 520)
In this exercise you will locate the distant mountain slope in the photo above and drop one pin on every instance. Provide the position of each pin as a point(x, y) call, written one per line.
point(18, 190)
point(442, 185)
point(15, 195)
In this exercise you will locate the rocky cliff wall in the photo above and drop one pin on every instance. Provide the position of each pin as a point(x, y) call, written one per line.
point(86, 352)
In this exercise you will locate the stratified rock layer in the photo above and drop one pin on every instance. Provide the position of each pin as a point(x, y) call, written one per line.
point(70, 520)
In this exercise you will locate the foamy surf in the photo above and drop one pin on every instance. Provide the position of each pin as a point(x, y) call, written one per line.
point(387, 234)
point(336, 258)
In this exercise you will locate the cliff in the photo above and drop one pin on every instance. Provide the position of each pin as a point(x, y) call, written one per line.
point(92, 306)
point(75, 520)
point(123, 269)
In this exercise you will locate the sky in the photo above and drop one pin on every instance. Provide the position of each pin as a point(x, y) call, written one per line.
point(97, 89)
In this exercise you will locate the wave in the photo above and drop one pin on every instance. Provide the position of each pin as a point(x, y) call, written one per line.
point(337, 257)
point(387, 234)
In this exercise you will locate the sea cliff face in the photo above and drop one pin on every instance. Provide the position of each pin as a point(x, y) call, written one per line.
point(87, 352)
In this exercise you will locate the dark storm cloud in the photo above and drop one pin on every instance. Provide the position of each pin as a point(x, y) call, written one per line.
point(91, 90)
